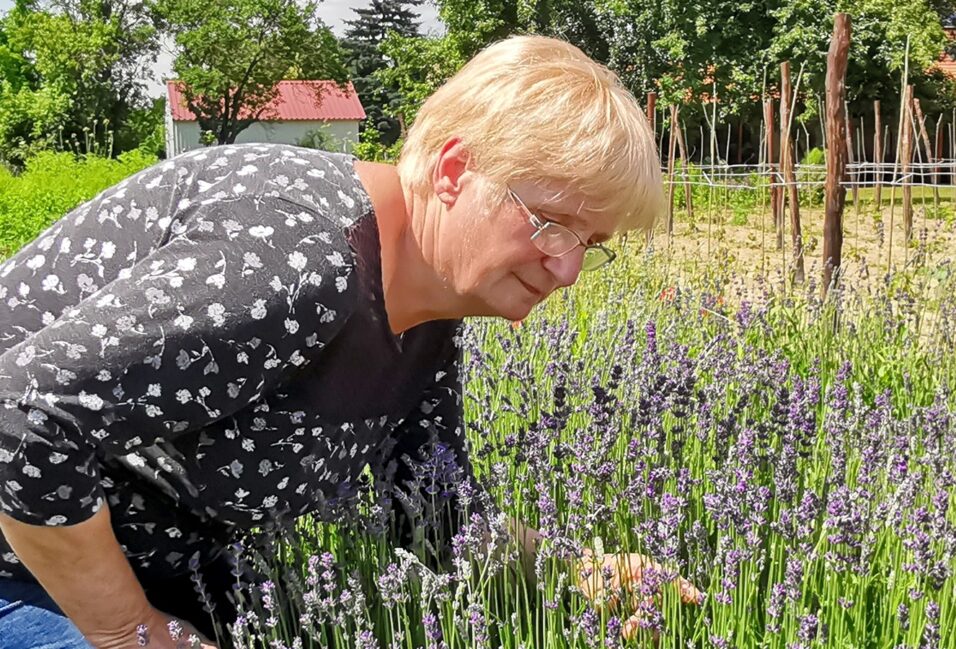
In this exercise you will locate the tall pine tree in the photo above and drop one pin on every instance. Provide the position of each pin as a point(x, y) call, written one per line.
point(361, 44)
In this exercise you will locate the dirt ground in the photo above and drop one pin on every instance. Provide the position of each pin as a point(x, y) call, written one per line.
point(719, 243)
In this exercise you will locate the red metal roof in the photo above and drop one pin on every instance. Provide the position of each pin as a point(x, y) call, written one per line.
point(296, 101)
point(947, 65)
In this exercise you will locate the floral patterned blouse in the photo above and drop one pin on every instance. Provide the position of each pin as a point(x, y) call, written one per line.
point(204, 348)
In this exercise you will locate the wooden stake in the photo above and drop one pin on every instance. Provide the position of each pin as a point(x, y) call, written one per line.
point(786, 164)
point(836, 154)
point(937, 156)
point(670, 169)
point(652, 110)
point(850, 158)
point(906, 142)
point(861, 142)
point(921, 122)
point(685, 171)
point(771, 150)
point(740, 141)
point(878, 152)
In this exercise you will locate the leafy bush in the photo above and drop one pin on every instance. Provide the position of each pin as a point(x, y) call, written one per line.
point(813, 193)
point(29, 121)
point(704, 196)
point(144, 129)
point(320, 138)
point(371, 149)
point(51, 185)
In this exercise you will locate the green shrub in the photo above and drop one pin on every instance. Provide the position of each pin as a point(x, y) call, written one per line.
point(812, 194)
point(706, 197)
point(371, 149)
point(51, 185)
point(321, 138)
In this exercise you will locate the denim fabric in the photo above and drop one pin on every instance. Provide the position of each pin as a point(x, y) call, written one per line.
point(30, 620)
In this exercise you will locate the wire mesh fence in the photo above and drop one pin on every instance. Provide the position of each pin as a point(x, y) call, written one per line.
point(859, 174)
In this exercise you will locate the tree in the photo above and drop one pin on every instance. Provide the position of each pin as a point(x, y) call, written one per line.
point(881, 29)
point(72, 69)
point(419, 66)
point(231, 59)
point(689, 51)
point(362, 45)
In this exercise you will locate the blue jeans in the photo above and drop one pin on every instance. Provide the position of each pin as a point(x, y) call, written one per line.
point(30, 620)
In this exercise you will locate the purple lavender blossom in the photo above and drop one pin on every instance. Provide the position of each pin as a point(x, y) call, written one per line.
point(931, 630)
point(903, 616)
point(391, 586)
point(809, 628)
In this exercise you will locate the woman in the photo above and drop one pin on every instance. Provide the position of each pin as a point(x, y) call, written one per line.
point(225, 340)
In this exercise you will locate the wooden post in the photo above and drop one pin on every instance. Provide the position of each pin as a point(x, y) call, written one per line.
point(938, 155)
point(771, 150)
point(878, 152)
point(906, 142)
point(836, 154)
point(670, 169)
point(797, 273)
point(921, 122)
point(685, 171)
point(652, 110)
point(740, 141)
point(850, 158)
point(861, 144)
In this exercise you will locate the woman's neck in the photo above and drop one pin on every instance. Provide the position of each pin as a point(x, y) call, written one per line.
point(412, 290)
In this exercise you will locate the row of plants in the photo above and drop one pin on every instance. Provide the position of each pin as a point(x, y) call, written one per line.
point(794, 457)
point(791, 455)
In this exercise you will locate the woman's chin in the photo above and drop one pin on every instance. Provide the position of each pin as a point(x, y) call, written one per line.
point(511, 305)
point(517, 310)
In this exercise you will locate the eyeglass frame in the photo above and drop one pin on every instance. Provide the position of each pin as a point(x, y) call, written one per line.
point(541, 223)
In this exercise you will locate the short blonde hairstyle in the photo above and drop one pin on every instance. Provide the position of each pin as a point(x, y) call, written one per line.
point(531, 108)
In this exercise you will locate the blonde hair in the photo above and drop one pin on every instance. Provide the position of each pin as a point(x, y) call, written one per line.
point(531, 108)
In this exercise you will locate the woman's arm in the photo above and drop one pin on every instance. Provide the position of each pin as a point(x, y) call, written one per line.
point(83, 569)
point(528, 540)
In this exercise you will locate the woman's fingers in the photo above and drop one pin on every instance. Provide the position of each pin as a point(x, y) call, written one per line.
point(632, 625)
point(689, 594)
point(624, 573)
point(638, 566)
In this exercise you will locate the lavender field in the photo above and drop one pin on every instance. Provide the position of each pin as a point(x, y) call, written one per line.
point(794, 458)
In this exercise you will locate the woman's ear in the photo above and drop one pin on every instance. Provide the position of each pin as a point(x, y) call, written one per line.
point(451, 166)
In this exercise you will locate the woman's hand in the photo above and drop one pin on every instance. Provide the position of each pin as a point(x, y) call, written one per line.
point(86, 572)
point(603, 582)
point(158, 630)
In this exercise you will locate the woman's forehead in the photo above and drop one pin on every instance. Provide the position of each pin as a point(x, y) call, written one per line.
point(550, 197)
point(555, 201)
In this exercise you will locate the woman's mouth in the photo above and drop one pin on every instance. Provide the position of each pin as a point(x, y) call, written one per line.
point(529, 288)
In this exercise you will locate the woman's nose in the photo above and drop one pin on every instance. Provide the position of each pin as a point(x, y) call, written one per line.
point(566, 268)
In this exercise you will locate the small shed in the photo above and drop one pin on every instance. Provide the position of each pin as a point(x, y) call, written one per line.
point(289, 119)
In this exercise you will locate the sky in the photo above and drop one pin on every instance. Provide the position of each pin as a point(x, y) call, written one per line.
point(333, 12)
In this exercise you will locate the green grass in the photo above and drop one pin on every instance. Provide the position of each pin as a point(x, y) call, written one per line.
point(920, 194)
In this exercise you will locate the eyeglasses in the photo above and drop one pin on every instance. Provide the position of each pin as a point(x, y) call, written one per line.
point(556, 240)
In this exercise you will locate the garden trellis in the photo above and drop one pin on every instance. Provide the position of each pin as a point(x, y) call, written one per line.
point(921, 154)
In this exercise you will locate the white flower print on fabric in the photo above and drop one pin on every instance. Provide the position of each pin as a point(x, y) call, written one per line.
point(169, 341)
point(176, 311)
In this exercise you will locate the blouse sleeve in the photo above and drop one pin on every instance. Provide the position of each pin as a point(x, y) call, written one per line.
point(428, 475)
point(195, 330)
